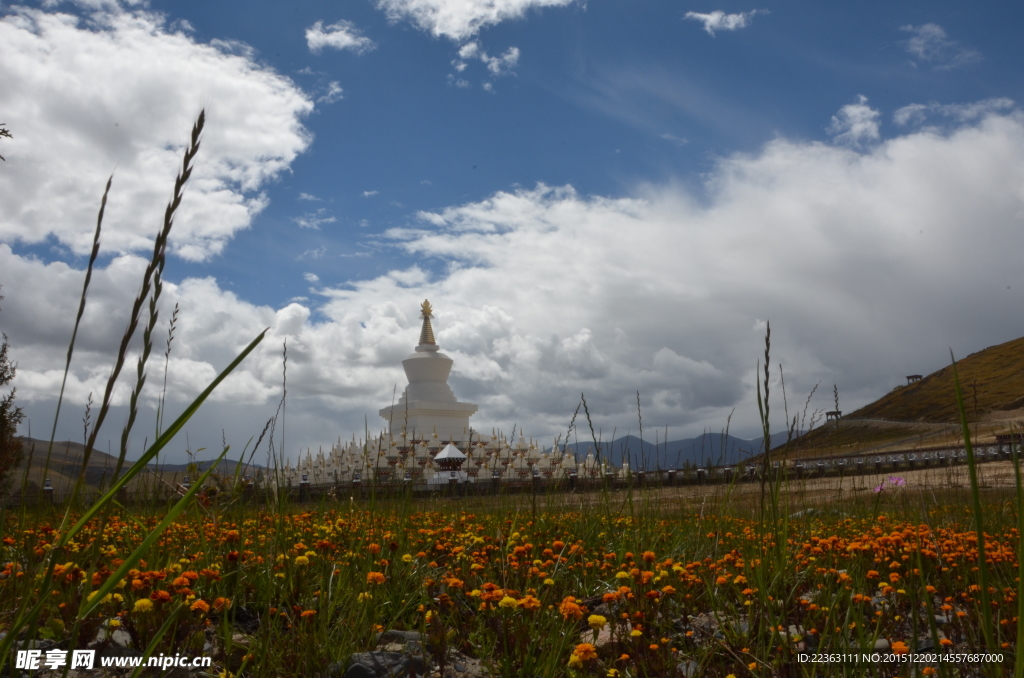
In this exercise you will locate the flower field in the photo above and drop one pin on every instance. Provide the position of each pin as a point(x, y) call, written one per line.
point(635, 589)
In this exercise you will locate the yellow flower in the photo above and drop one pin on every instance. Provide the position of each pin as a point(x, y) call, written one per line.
point(407, 558)
point(114, 623)
point(508, 602)
point(622, 575)
point(549, 582)
point(635, 633)
point(364, 597)
point(143, 605)
point(596, 622)
point(301, 560)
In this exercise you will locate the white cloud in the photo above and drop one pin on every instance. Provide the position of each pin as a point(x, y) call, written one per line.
point(307, 196)
point(461, 83)
point(311, 277)
point(119, 93)
point(679, 141)
point(469, 51)
point(548, 293)
point(317, 253)
point(459, 20)
point(333, 93)
point(370, 194)
point(340, 35)
point(918, 113)
point(929, 42)
point(720, 21)
point(855, 123)
point(314, 219)
point(501, 64)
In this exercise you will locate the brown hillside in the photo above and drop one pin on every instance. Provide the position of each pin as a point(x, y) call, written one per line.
point(995, 376)
point(66, 463)
point(925, 412)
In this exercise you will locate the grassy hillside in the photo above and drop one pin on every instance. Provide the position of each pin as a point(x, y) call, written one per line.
point(992, 381)
point(66, 462)
point(995, 376)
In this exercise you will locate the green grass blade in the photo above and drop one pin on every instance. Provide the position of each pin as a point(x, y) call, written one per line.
point(130, 561)
point(171, 618)
point(986, 607)
point(159, 444)
point(25, 617)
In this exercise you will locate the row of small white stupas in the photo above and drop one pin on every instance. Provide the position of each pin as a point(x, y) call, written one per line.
point(434, 460)
point(452, 451)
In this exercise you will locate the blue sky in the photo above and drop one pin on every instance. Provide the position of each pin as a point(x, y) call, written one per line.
point(598, 197)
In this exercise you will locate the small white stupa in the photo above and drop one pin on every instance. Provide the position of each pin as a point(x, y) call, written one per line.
point(448, 463)
point(428, 405)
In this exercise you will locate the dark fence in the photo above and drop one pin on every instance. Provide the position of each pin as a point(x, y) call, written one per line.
point(753, 471)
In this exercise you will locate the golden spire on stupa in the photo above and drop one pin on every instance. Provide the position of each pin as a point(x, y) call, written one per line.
point(427, 333)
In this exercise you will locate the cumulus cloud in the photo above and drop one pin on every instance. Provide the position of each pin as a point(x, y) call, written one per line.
point(459, 20)
point(930, 43)
point(720, 21)
point(340, 35)
point(855, 123)
point(333, 93)
point(121, 91)
point(548, 292)
point(497, 65)
point(314, 219)
point(912, 114)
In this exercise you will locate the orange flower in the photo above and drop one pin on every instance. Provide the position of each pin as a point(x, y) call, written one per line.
point(375, 578)
point(529, 603)
point(306, 614)
point(201, 605)
point(585, 651)
point(220, 603)
point(160, 596)
point(569, 608)
point(649, 556)
point(899, 647)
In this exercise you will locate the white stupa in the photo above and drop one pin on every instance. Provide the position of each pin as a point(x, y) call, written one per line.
point(428, 405)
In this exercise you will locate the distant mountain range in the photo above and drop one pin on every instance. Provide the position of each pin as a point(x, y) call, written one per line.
point(710, 448)
point(66, 462)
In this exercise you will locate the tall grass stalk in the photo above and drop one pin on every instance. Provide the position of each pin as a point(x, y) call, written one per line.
point(1018, 662)
point(27, 617)
point(78, 320)
point(979, 525)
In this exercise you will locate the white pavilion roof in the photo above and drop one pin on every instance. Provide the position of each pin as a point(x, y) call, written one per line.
point(449, 452)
